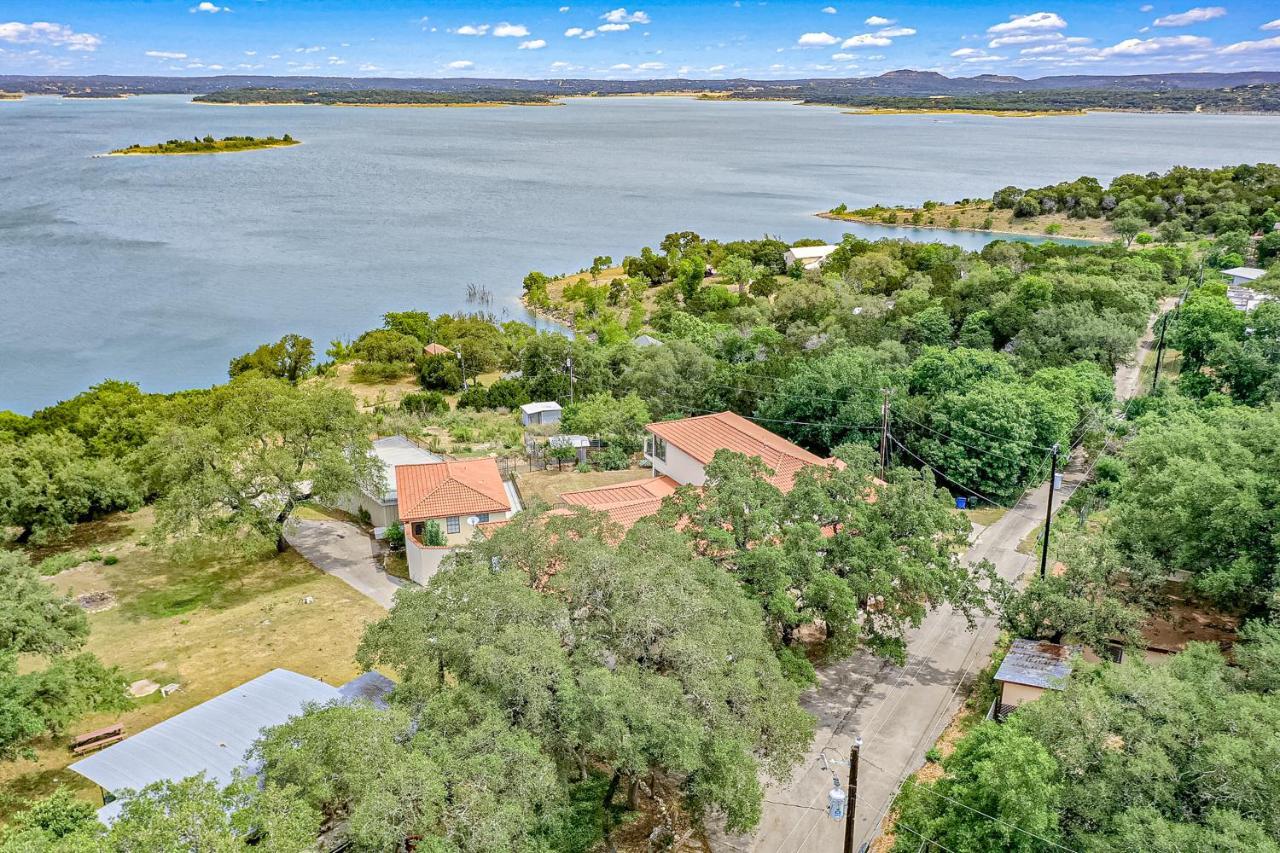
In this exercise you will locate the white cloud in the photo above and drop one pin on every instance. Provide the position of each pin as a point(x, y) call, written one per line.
point(206, 6)
point(622, 16)
point(461, 65)
point(1271, 25)
point(369, 66)
point(250, 53)
point(561, 66)
point(1147, 47)
point(878, 21)
point(896, 32)
point(816, 40)
point(715, 69)
point(1032, 22)
point(589, 34)
point(505, 30)
point(563, 9)
point(334, 60)
point(843, 57)
point(621, 66)
point(312, 49)
point(829, 10)
point(471, 30)
point(1198, 15)
point(966, 51)
point(866, 40)
point(1145, 7)
point(214, 67)
point(1272, 43)
point(985, 58)
point(1036, 38)
point(613, 28)
point(43, 32)
point(651, 66)
point(573, 32)
point(533, 44)
point(165, 54)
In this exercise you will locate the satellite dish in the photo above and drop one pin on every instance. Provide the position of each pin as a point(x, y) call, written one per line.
point(473, 520)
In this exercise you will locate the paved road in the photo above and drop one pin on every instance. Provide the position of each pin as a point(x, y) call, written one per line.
point(901, 711)
point(344, 551)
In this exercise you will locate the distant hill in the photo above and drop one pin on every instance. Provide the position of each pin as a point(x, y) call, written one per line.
point(904, 82)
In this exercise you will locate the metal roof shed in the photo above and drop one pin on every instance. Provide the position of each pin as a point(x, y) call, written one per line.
point(1036, 663)
point(213, 737)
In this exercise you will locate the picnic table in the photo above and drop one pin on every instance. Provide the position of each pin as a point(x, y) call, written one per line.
point(88, 742)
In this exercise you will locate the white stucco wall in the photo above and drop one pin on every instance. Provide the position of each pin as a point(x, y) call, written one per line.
point(679, 466)
point(424, 562)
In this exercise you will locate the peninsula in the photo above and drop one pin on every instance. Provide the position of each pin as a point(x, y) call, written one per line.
point(209, 145)
point(375, 98)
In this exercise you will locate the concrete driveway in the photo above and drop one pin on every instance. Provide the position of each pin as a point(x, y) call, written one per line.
point(346, 552)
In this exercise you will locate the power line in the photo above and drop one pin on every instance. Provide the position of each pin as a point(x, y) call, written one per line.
point(966, 444)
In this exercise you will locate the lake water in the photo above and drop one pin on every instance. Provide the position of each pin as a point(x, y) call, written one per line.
point(160, 269)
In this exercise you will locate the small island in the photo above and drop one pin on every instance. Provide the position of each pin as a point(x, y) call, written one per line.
point(209, 145)
point(482, 97)
point(10, 96)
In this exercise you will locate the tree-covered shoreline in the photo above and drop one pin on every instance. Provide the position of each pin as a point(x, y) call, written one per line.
point(208, 145)
point(374, 97)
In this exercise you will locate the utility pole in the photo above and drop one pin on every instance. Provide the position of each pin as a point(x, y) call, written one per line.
point(1048, 515)
point(1155, 377)
point(568, 362)
point(884, 433)
point(463, 366)
point(853, 793)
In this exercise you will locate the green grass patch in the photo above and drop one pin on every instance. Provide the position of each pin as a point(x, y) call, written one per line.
point(188, 585)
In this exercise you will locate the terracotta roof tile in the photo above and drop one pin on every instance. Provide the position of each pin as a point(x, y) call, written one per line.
point(625, 503)
point(446, 489)
point(702, 436)
point(436, 349)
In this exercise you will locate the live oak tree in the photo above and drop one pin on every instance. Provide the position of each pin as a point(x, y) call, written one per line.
point(57, 683)
point(1094, 596)
point(233, 465)
point(638, 659)
point(867, 559)
point(288, 358)
point(48, 481)
point(452, 771)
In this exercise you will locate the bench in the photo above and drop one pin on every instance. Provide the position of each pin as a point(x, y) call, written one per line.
point(88, 742)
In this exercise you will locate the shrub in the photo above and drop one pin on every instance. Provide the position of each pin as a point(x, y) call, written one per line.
point(614, 458)
point(934, 755)
point(432, 535)
point(381, 371)
point(424, 403)
point(110, 560)
point(395, 536)
point(440, 373)
point(475, 397)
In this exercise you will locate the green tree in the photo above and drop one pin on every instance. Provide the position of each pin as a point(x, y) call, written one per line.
point(634, 657)
point(618, 419)
point(288, 358)
point(1128, 227)
point(1000, 792)
point(673, 379)
point(235, 464)
point(1204, 319)
point(58, 685)
point(49, 482)
point(1093, 596)
point(195, 814)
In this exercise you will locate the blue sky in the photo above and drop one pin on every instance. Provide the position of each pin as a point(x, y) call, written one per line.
point(773, 39)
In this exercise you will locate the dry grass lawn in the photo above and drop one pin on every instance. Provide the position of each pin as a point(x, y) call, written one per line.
point(208, 624)
point(370, 395)
point(548, 485)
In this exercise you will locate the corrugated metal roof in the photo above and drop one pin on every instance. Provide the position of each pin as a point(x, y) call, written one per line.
point(212, 737)
point(1037, 663)
point(393, 451)
point(534, 408)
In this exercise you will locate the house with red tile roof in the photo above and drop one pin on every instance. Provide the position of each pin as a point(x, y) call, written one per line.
point(680, 452)
point(682, 449)
point(436, 349)
point(459, 496)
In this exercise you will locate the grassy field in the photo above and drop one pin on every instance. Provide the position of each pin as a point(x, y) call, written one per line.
point(370, 395)
point(972, 217)
point(207, 623)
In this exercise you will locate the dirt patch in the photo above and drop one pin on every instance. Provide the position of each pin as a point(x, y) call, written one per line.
point(96, 602)
point(370, 395)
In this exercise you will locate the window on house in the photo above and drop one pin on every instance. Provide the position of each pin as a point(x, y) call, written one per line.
point(417, 529)
point(453, 525)
point(481, 518)
point(659, 449)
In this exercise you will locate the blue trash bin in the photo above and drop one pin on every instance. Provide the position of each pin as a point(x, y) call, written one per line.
point(962, 503)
